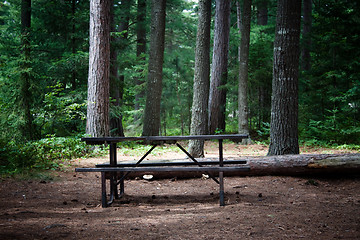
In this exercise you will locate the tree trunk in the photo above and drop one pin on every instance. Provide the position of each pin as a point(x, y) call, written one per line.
point(244, 26)
point(217, 94)
point(154, 82)
point(97, 124)
point(73, 43)
point(333, 165)
point(284, 103)
point(118, 45)
point(262, 12)
point(305, 53)
point(304, 164)
point(199, 112)
point(263, 90)
point(26, 98)
point(140, 47)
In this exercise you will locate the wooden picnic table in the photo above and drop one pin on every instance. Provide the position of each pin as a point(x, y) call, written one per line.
point(112, 168)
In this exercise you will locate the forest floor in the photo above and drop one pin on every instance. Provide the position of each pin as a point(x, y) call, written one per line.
point(67, 205)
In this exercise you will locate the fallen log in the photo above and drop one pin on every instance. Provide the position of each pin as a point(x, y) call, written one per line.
point(289, 165)
point(305, 164)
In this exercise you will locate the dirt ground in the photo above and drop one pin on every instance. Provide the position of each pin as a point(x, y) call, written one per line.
point(266, 207)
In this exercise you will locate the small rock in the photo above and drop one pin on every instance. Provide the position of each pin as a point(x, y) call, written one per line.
point(205, 176)
point(148, 177)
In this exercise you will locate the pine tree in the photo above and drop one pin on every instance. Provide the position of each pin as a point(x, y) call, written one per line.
point(201, 79)
point(25, 93)
point(99, 69)
point(243, 68)
point(219, 67)
point(284, 103)
point(154, 82)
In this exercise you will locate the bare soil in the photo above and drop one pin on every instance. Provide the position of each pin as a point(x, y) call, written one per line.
point(267, 207)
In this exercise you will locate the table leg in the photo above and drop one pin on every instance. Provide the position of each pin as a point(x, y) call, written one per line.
point(122, 185)
point(221, 174)
point(221, 178)
point(113, 163)
point(103, 190)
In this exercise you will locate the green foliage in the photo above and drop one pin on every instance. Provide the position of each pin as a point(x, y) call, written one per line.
point(264, 131)
point(260, 76)
point(58, 55)
point(45, 154)
point(178, 69)
point(63, 112)
point(330, 92)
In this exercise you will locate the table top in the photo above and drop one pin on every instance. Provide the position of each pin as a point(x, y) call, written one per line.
point(102, 140)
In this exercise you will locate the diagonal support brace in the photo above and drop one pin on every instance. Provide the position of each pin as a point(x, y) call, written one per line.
point(198, 163)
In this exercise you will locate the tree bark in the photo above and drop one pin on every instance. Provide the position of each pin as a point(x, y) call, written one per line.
point(140, 47)
point(244, 28)
point(154, 82)
point(284, 103)
point(73, 43)
point(332, 165)
point(262, 12)
point(25, 93)
point(199, 109)
point(263, 91)
point(217, 94)
point(304, 164)
point(118, 45)
point(97, 124)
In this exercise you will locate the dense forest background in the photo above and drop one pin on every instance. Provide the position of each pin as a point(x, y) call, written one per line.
point(44, 70)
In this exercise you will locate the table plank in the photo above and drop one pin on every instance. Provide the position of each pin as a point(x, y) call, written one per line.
point(164, 169)
point(172, 163)
point(102, 140)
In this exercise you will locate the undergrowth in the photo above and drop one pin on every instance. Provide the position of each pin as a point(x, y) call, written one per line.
point(46, 154)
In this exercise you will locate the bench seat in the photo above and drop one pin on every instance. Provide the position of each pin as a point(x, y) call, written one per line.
point(163, 169)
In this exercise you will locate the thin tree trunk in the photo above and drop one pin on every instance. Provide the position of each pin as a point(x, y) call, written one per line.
point(305, 53)
point(262, 12)
point(154, 83)
point(244, 25)
point(73, 43)
point(118, 44)
point(217, 94)
point(140, 48)
point(97, 124)
point(26, 98)
point(179, 102)
point(284, 103)
point(263, 91)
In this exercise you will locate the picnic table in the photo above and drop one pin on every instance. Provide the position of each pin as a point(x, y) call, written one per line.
point(117, 172)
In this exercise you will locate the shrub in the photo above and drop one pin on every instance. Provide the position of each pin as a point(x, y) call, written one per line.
point(48, 153)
